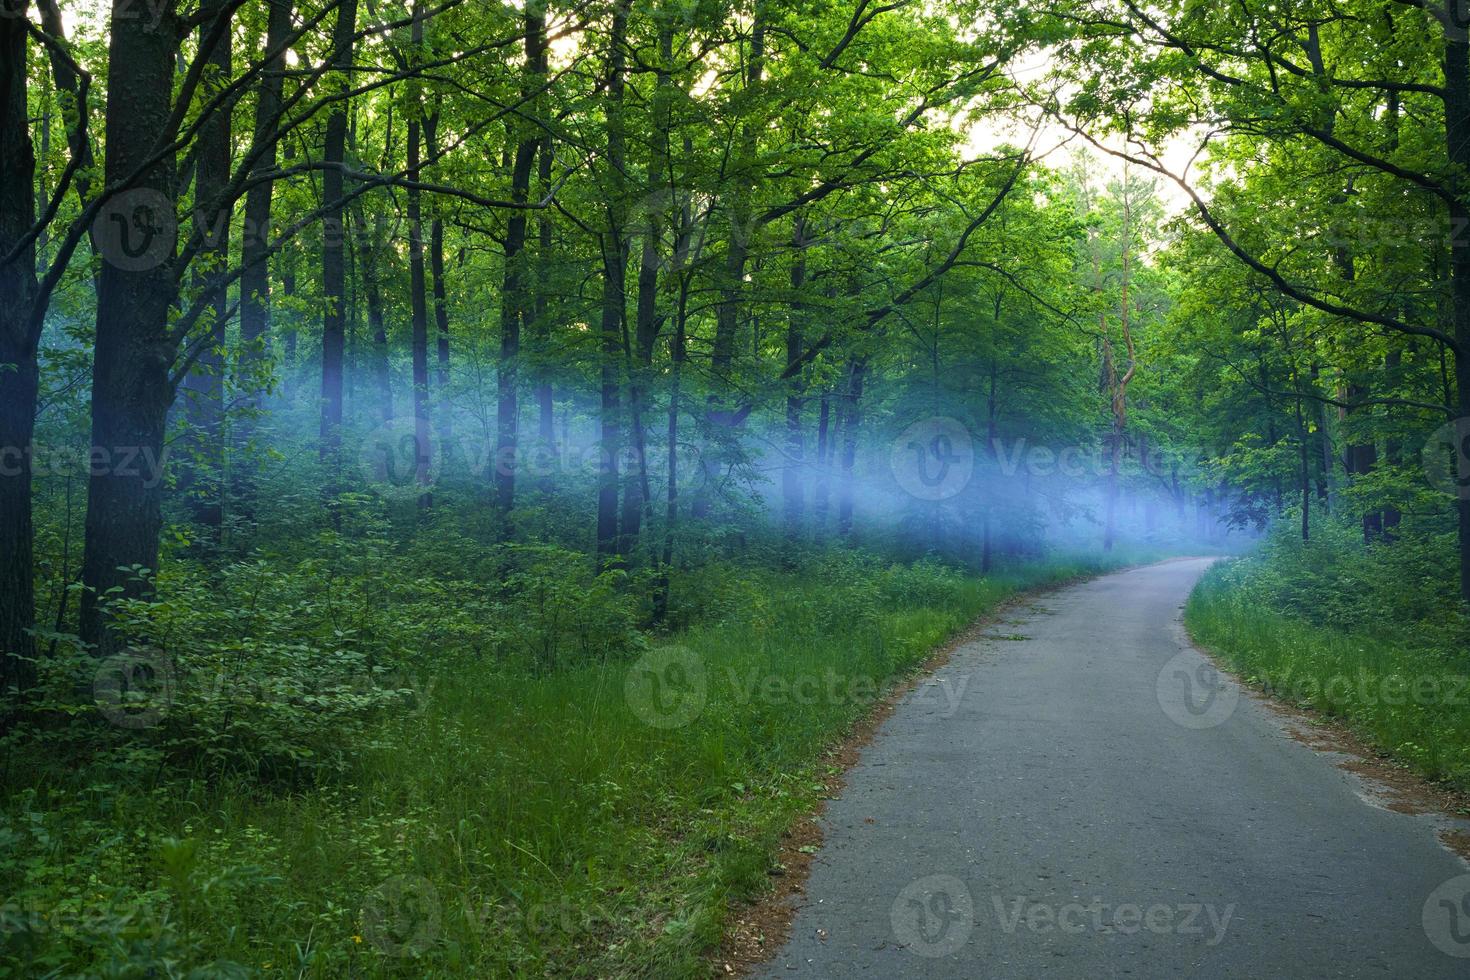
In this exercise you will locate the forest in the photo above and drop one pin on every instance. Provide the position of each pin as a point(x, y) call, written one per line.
point(464, 465)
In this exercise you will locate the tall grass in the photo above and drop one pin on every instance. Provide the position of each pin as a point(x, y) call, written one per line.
point(509, 822)
point(1406, 694)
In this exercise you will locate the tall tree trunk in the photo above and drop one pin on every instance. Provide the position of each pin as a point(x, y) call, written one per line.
point(657, 196)
point(18, 343)
point(1393, 447)
point(678, 355)
point(512, 299)
point(1304, 441)
point(992, 443)
point(201, 476)
point(418, 299)
point(255, 276)
point(418, 286)
point(1360, 459)
point(851, 422)
point(133, 353)
point(1457, 141)
point(1324, 433)
point(370, 242)
point(334, 268)
point(1118, 384)
point(441, 307)
point(793, 471)
point(255, 279)
point(822, 492)
point(737, 252)
point(545, 406)
point(614, 289)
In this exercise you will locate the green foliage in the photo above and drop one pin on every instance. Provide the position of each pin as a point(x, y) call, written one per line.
point(536, 822)
point(1377, 640)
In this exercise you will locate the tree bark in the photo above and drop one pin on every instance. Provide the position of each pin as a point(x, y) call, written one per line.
point(512, 298)
point(737, 252)
point(201, 475)
point(133, 354)
point(822, 492)
point(441, 307)
point(19, 371)
point(370, 243)
point(852, 420)
point(334, 269)
point(419, 303)
point(255, 275)
point(545, 405)
point(647, 323)
point(1457, 141)
point(614, 290)
point(255, 279)
point(793, 472)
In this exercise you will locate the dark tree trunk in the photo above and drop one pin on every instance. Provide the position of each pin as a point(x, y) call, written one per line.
point(737, 252)
point(255, 280)
point(418, 299)
point(134, 354)
point(794, 470)
point(678, 354)
point(441, 307)
point(1324, 432)
point(334, 268)
point(851, 422)
point(512, 298)
point(1359, 460)
point(822, 492)
point(201, 475)
point(545, 405)
point(614, 290)
point(1392, 447)
point(370, 249)
point(1457, 140)
point(18, 341)
point(647, 324)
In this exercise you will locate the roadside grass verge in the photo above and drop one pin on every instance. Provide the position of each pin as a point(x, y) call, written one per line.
point(594, 820)
point(1408, 698)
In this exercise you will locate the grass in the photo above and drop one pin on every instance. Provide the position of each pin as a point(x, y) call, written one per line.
point(594, 821)
point(1410, 700)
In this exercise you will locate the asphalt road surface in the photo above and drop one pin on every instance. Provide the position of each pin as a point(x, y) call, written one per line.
point(1080, 794)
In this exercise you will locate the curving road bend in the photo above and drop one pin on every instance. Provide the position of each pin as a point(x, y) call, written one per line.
point(1079, 794)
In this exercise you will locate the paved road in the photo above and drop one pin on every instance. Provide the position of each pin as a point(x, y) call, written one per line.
point(1080, 795)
